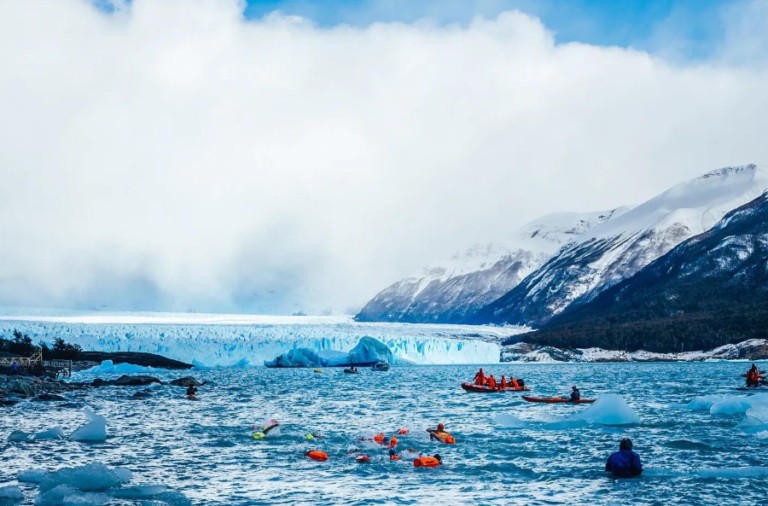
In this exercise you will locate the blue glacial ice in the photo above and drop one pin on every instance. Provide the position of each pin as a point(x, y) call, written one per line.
point(223, 340)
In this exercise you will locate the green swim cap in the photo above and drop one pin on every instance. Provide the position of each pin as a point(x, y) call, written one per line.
point(310, 437)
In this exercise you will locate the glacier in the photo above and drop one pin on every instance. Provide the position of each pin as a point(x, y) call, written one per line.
point(210, 340)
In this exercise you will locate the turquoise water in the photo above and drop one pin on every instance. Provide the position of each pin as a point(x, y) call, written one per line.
point(204, 449)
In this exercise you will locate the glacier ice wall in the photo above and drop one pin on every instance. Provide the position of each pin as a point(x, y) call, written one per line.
point(222, 341)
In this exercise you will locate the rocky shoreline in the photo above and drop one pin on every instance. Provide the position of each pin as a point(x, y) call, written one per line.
point(752, 349)
point(17, 388)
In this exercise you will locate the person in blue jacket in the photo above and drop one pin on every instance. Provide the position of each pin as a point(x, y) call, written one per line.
point(624, 463)
point(575, 394)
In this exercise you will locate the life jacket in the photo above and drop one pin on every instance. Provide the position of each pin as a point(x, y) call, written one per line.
point(503, 382)
point(492, 383)
point(402, 432)
point(446, 438)
point(363, 458)
point(316, 455)
point(426, 462)
point(514, 383)
point(379, 438)
point(394, 457)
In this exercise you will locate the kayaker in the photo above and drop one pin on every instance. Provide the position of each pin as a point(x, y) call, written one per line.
point(441, 435)
point(753, 377)
point(480, 377)
point(575, 394)
point(624, 463)
point(491, 382)
point(503, 383)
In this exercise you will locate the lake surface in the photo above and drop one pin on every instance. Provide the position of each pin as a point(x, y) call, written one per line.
point(204, 449)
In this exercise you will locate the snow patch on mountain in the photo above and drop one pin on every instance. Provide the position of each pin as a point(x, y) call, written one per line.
point(451, 289)
point(616, 249)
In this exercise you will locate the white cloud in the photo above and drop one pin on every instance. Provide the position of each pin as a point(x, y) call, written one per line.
point(173, 155)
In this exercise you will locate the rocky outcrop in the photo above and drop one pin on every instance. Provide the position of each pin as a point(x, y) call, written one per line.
point(187, 381)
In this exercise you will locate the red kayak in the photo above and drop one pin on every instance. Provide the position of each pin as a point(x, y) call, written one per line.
point(557, 400)
point(471, 387)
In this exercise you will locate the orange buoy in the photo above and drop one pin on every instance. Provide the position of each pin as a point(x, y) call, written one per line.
point(316, 455)
point(427, 461)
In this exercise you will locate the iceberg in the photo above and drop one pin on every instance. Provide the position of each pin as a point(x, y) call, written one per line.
point(225, 340)
point(108, 367)
point(608, 409)
point(10, 495)
point(93, 431)
point(64, 495)
point(94, 477)
point(367, 351)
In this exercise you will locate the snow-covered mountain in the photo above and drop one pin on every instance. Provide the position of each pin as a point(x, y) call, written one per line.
point(617, 249)
point(452, 289)
point(711, 290)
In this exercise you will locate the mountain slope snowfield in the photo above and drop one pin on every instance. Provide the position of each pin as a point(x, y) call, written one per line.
point(711, 290)
point(451, 290)
point(617, 249)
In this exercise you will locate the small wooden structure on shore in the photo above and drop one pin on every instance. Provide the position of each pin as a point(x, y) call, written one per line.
point(35, 365)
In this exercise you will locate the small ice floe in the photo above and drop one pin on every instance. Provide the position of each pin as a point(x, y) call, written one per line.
point(94, 485)
point(507, 420)
point(52, 433)
point(19, 436)
point(31, 476)
point(108, 367)
point(608, 409)
point(67, 495)
point(10, 495)
point(93, 431)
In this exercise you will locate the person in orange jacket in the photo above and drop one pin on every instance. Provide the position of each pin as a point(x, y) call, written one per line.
point(392, 452)
point(491, 382)
point(441, 435)
point(503, 383)
point(480, 377)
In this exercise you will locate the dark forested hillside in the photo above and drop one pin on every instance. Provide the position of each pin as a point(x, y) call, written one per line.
point(710, 290)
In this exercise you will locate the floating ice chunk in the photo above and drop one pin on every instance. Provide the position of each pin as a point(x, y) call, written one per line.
point(10, 495)
point(19, 436)
point(54, 433)
point(88, 478)
point(108, 368)
point(730, 406)
point(739, 472)
point(370, 350)
point(297, 357)
point(170, 499)
point(94, 430)
point(64, 495)
point(32, 475)
point(608, 409)
point(123, 474)
point(140, 492)
point(704, 403)
point(507, 420)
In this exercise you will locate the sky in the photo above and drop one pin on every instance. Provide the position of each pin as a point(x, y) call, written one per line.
point(285, 156)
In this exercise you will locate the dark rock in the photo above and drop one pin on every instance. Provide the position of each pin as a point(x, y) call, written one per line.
point(139, 380)
point(22, 387)
point(142, 394)
point(49, 397)
point(9, 401)
point(186, 382)
point(136, 358)
point(98, 382)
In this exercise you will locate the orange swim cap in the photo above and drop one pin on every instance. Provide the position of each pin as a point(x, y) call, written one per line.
point(402, 432)
point(440, 427)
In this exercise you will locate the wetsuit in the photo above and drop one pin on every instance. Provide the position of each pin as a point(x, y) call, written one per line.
point(624, 464)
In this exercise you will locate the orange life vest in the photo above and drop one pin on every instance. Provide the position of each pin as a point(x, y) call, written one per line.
point(446, 438)
point(363, 458)
point(379, 438)
point(426, 462)
point(316, 455)
point(514, 383)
